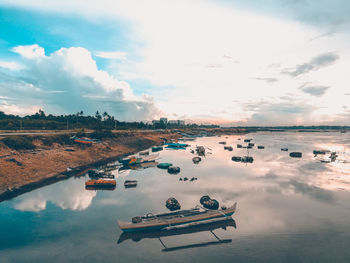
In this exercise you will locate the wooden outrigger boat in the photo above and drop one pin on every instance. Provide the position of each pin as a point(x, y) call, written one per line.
point(179, 219)
point(158, 234)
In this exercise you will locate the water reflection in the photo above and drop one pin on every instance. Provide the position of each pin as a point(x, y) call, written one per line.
point(66, 194)
point(281, 201)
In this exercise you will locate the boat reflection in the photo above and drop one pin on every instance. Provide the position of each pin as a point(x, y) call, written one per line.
point(223, 224)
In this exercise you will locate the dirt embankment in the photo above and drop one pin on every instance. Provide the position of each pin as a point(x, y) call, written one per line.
point(22, 171)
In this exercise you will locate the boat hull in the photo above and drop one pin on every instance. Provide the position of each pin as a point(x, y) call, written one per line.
point(158, 224)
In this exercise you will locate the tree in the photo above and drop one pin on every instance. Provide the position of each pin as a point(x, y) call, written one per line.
point(42, 114)
point(98, 116)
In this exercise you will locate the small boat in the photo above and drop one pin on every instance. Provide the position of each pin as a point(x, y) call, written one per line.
point(261, 147)
point(137, 236)
point(236, 158)
point(296, 154)
point(133, 160)
point(222, 142)
point(164, 165)
point(130, 183)
point(83, 141)
point(180, 146)
point(316, 152)
point(157, 148)
point(94, 174)
point(100, 183)
point(229, 148)
point(284, 149)
point(139, 166)
point(247, 159)
point(179, 219)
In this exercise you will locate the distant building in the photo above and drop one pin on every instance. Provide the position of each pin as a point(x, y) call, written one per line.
point(173, 122)
point(155, 122)
point(164, 120)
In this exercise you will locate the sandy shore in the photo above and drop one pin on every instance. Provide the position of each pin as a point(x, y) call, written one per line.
point(23, 171)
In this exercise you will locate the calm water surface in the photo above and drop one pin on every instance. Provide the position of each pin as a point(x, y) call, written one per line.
point(289, 210)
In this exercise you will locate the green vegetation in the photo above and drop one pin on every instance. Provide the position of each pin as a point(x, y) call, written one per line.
point(41, 121)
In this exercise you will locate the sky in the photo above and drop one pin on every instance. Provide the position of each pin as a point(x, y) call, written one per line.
point(227, 62)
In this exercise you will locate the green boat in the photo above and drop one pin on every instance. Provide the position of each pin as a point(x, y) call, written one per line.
point(164, 165)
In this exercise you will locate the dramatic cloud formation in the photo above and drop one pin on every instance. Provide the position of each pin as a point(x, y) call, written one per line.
point(315, 64)
point(68, 80)
point(203, 69)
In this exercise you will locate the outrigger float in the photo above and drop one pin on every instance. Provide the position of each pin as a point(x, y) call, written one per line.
point(179, 219)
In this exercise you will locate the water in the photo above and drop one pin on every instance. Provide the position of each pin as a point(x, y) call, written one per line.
point(289, 209)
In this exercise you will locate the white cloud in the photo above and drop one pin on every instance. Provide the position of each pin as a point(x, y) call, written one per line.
point(68, 80)
point(12, 65)
point(216, 54)
point(111, 55)
point(17, 110)
point(31, 51)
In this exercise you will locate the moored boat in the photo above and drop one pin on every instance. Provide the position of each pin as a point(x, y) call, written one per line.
point(182, 218)
point(100, 183)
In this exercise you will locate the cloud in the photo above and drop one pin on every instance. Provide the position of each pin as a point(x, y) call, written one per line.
point(68, 80)
point(30, 51)
point(12, 65)
point(167, 60)
point(111, 55)
point(288, 110)
point(268, 80)
point(317, 91)
point(316, 63)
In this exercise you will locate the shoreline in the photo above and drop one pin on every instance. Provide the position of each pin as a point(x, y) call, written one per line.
point(15, 185)
point(25, 170)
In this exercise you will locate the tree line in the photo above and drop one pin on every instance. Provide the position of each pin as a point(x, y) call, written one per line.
point(42, 121)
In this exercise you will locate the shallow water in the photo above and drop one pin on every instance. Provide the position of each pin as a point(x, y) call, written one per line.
point(289, 209)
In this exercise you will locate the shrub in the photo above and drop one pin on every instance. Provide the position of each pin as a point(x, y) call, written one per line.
point(101, 134)
point(62, 139)
point(19, 142)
